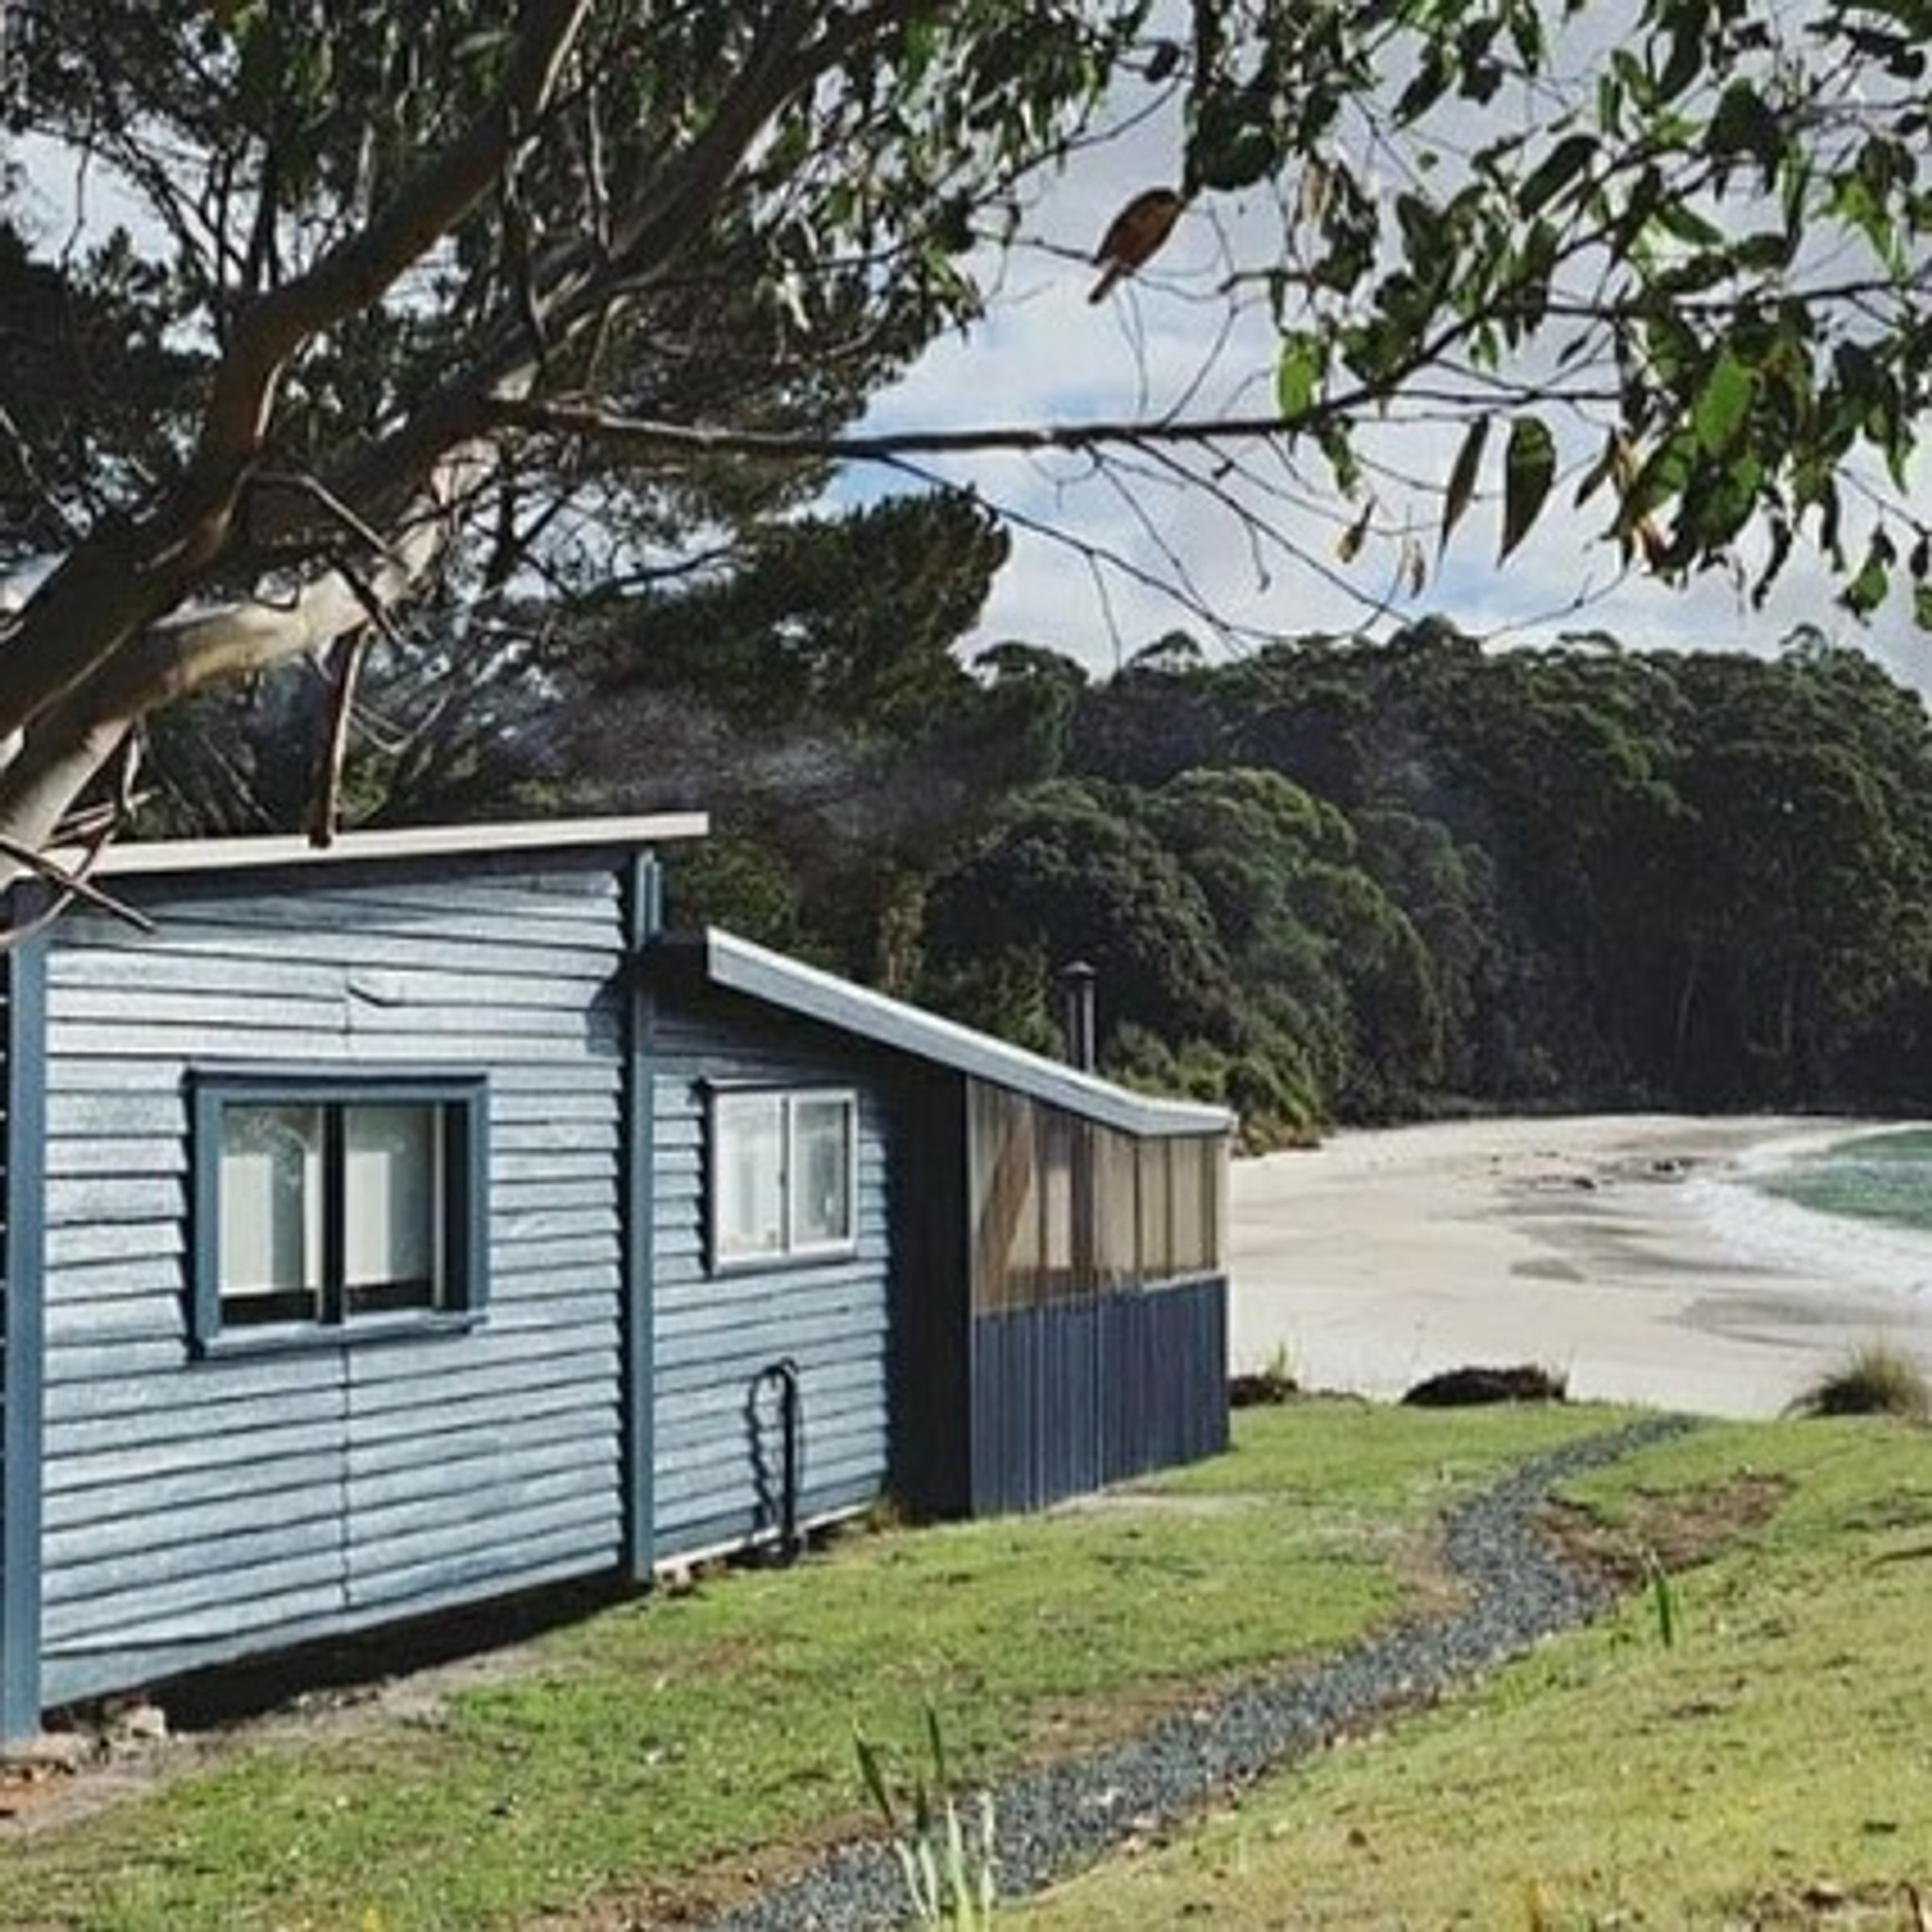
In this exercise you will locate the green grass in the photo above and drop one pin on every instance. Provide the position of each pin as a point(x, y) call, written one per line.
point(1770, 1766)
point(657, 1746)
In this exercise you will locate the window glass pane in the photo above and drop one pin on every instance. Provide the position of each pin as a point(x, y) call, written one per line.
point(392, 1194)
point(1216, 1204)
point(1192, 1175)
point(748, 1181)
point(822, 1211)
point(1005, 1201)
point(1115, 1234)
point(1061, 1205)
point(1156, 1247)
point(270, 1263)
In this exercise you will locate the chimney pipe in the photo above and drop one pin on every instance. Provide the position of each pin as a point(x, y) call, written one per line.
point(1076, 1013)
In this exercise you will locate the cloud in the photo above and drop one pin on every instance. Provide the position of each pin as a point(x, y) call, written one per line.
point(1101, 567)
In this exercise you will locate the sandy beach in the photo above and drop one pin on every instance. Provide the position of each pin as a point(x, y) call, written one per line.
point(1612, 1248)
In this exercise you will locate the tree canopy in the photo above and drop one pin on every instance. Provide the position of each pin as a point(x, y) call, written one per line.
point(372, 312)
point(1578, 876)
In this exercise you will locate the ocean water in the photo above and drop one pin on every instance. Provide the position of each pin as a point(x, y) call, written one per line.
point(1854, 1206)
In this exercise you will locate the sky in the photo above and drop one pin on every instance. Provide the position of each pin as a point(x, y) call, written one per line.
point(1161, 343)
point(1100, 572)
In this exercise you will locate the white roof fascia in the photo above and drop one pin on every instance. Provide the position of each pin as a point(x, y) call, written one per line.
point(740, 966)
point(414, 842)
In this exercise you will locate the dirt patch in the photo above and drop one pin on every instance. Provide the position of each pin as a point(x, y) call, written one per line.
point(1678, 1531)
point(97, 1755)
point(1898, 1907)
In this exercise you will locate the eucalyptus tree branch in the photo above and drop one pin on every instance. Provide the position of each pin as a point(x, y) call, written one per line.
point(67, 744)
point(636, 437)
point(110, 588)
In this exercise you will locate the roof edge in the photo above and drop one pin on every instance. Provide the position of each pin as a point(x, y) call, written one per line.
point(738, 965)
point(411, 842)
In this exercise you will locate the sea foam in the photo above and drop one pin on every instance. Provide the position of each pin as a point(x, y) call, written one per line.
point(1763, 1228)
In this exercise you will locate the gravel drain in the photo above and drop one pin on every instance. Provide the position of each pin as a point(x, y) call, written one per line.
point(1054, 1819)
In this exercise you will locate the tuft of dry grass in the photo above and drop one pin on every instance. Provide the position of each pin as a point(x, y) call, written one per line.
point(1879, 1378)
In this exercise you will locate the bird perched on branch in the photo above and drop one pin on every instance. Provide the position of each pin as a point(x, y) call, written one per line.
point(1134, 235)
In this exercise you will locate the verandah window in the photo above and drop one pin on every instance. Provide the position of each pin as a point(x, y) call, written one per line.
point(325, 1204)
point(1065, 1208)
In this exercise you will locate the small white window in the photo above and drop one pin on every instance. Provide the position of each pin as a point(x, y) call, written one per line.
point(783, 1176)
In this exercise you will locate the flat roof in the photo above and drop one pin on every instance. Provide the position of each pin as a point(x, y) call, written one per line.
point(737, 965)
point(410, 842)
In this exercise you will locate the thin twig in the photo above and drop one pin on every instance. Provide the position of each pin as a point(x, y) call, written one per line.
point(71, 885)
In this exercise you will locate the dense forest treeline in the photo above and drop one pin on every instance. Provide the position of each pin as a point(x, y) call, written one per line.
point(1326, 880)
point(1345, 880)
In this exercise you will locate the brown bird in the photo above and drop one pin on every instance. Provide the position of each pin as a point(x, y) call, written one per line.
point(1134, 235)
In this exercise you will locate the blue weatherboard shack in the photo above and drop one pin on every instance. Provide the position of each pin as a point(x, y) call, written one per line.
point(404, 1224)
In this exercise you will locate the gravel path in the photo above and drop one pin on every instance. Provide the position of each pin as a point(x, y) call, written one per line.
point(1061, 1816)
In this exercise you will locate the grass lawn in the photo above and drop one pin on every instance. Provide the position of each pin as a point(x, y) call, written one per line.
point(670, 1745)
point(670, 1749)
point(1772, 1766)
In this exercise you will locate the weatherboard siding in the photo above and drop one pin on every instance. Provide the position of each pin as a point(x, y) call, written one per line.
point(716, 1445)
point(199, 1510)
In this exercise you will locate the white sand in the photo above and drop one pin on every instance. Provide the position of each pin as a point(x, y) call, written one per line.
point(1611, 1248)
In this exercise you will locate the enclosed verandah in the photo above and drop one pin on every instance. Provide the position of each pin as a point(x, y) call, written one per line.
point(1099, 1298)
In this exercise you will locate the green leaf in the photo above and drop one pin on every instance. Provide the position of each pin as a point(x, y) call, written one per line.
point(1529, 467)
point(1687, 55)
point(1348, 546)
point(1922, 606)
point(873, 1772)
point(1685, 224)
point(1743, 124)
point(1430, 83)
point(1599, 472)
point(1554, 172)
point(1298, 373)
point(1724, 403)
point(1455, 499)
point(1866, 591)
point(1343, 464)
point(1233, 144)
point(935, 1744)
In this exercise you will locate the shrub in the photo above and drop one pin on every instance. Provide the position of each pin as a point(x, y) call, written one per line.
point(1879, 1378)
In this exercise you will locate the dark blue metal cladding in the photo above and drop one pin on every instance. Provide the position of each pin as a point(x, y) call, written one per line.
point(930, 1347)
point(21, 1138)
point(1076, 1394)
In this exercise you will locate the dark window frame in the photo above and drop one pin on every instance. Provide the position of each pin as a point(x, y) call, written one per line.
point(462, 1100)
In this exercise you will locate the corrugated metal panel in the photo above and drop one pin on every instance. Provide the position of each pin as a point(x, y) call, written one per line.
point(1073, 1395)
point(718, 1450)
point(201, 1509)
